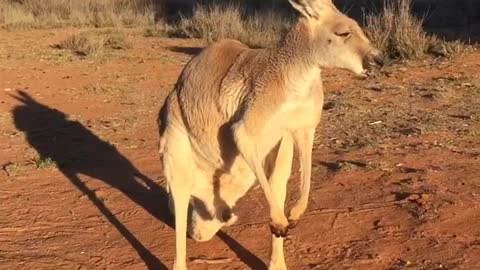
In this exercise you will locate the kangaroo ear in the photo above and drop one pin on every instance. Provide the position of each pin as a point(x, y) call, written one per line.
point(310, 8)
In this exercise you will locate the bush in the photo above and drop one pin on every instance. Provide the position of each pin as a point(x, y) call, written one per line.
point(160, 29)
point(82, 44)
point(117, 41)
point(400, 35)
point(94, 44)
point(216, 22)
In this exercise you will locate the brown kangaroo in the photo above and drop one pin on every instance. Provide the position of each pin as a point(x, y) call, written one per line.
point(236, 114)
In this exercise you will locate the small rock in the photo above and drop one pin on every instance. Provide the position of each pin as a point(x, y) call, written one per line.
point(402, 263)
point(413, 197)
point(376, 88)
point(428, 96)
point(387, 73)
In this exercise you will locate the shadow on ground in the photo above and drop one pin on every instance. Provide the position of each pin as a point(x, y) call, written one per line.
point(77, 151)
point(186, 50)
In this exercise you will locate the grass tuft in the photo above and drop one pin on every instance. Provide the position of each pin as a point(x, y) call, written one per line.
point(94, 44)
point(400, 35)
point(11, 169)
point(45, 163)
point(81, 44)
point(159, 30)
point(215, 22)
point(117, 41)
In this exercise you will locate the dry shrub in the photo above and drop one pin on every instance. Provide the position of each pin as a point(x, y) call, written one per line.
point(215, 22)
point(117, 41)
point(265, 29)
point(212, 22)
point(14, 14)
point(400, 35)
point(397, 33)
point(159, 29)
point(82, 44)
point(94, 44)
point(57, 13)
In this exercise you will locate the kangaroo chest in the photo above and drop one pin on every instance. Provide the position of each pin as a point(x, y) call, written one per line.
point(302, 111)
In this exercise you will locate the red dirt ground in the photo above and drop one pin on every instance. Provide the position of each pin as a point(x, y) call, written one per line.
point(396, 182)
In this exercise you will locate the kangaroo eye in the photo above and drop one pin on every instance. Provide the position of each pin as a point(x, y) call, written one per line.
point(343, 34)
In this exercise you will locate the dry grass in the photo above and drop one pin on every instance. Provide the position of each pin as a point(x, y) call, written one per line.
point(117, 41)
point(11, 169)
point(400, 35)
point(45, 163)
point(216, 22)
point(16, 14)
point(394, 30)
point(81, 44)
point(160, 29)
point(94, 44)
point(265, 29)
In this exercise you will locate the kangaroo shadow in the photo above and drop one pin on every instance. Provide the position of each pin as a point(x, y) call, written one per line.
point(76, 150)
point(186, 50)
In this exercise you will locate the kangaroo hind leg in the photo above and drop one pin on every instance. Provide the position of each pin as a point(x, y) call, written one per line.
point(178, 161)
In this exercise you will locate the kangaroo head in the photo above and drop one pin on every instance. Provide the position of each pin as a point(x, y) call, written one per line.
point(335, 39)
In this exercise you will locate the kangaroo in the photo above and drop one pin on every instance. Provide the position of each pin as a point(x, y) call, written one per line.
point(236, 114)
